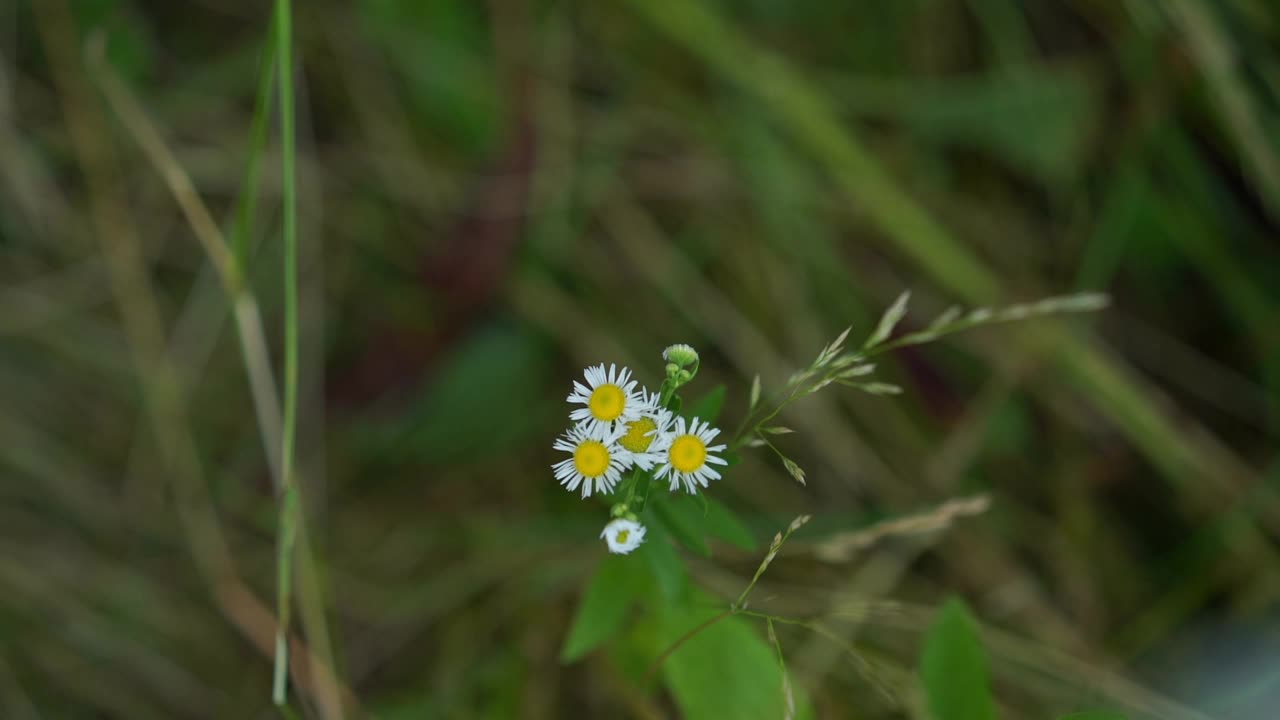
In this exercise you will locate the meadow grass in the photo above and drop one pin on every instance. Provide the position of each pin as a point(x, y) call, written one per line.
point(505, 193)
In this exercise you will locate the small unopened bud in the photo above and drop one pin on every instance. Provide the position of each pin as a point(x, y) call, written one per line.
point(680, 355)
point(619, 510)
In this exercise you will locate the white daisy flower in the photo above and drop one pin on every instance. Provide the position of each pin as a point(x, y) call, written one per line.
point(642, 435)
point(597, 461)
point(609, 397)
point(687, 455)
point(623, 535)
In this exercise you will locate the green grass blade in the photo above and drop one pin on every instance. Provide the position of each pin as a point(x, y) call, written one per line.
point(284, 55)
point(246, 207)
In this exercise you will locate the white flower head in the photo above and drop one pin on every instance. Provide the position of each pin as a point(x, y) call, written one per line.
point(686, 455)
point(680, 354)
point(597, 462)
point(610, 397)
point(643, 435)
point(623, 535)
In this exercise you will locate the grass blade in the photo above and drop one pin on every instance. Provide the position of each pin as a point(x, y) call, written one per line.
point(284, 54)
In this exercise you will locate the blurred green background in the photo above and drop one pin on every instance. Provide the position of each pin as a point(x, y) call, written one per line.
point(493, 195)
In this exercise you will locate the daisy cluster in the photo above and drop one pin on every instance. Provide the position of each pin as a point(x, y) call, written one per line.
point(623, 429)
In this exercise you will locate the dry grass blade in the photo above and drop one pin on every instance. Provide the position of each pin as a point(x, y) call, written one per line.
point(842, 547)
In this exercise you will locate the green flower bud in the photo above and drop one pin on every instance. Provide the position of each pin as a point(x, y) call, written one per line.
point(680, 355)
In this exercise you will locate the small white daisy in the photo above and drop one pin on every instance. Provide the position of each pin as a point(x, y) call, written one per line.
point(687, 455)
point(623, 535)
point(609, 397)
point(642, 435)
point(597, 461)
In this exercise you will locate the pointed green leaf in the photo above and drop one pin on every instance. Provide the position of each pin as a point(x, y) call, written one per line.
point(682, 517)
point(664, 562)
point(953, 667)
point(604, 606)
point(707, 408)
point(723, 523)
point(725, 670)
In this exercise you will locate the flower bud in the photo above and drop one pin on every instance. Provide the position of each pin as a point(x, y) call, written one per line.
point(680, 355)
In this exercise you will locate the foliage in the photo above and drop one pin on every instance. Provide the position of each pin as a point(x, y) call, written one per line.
point(489, 195)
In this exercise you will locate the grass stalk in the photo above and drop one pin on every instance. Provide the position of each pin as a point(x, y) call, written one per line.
point(282, 35)
point(328, 690)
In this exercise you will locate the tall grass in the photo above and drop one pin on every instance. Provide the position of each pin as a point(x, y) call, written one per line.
point(504, 205)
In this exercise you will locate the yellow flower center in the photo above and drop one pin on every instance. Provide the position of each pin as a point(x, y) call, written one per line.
point(637, 438)
point(687, 453)
point(591, 458)
point(607, 402)
point(622, 536)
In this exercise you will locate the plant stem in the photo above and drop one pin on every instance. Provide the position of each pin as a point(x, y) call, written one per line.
point(289, 504)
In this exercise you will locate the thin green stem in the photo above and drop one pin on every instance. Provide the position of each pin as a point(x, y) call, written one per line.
point(632, 482)
point(774, 547)
point(743, 433)
point(284, 51)
point(289, 504)
point(742, 599)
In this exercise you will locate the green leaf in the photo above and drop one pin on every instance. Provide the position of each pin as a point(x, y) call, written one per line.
point(684, 519)
point(664, 562)
point(497, 365)
point(725, 670)
point(460, 102)
point(724, 524)
point(953, 667)
point(608, 597)
point(707, 408)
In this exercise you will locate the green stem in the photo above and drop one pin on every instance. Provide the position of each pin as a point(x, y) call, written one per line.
point(288, 507)
point(643, 484)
